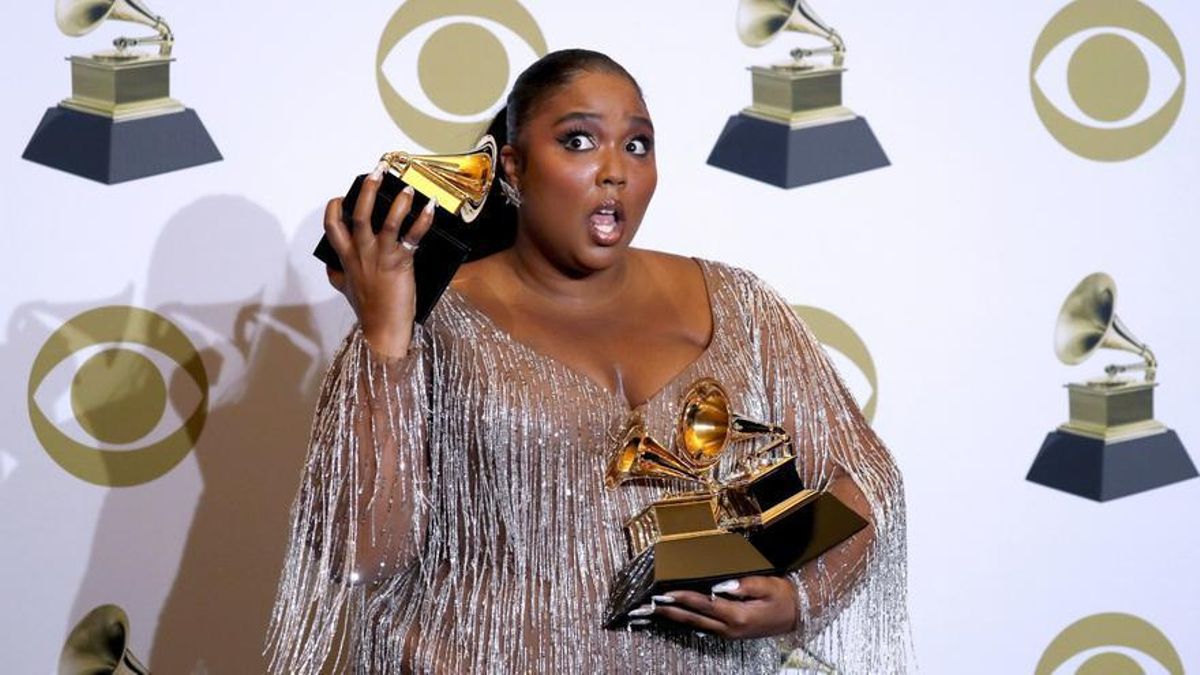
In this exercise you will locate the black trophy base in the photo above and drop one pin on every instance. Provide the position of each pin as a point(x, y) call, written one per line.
point(441, 251)
point(804, 533)
point(113, 151)
point(773, 152)
point(784, 543)
point(1099, 470)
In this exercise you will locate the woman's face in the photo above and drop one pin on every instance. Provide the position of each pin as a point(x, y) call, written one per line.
point(585, 167)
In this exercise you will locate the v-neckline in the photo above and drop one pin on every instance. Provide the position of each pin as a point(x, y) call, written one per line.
point(616, 396)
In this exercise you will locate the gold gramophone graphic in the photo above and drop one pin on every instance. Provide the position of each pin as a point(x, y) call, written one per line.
point(760, 519)
point(1111, 445)
point(796, 131)
point(99, 645)
point(460, 183)
point(120, 122)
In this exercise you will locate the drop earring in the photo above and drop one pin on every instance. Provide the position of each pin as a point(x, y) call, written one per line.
point(511, 194)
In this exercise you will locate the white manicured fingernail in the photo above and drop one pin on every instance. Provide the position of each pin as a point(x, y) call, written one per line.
point(644, 610)
point(408, 190)
point(377, 172)
point(662, 599)
point(640, 622)
point(725, 587)
point(431, 205)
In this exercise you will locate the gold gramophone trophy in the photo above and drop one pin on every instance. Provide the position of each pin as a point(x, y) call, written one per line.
point(461, 184)
point(1111, 445)
point(758, 520)
point(796, 131)
point(99, 645)
point(120, 122)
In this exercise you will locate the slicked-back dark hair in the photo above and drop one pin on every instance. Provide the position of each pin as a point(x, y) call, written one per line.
point(549, 74)
point(496, 225)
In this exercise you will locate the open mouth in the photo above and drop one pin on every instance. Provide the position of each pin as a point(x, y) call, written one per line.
point(606, 223)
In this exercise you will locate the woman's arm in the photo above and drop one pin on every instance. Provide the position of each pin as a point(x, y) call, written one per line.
point(823, 585)
point(837, 451)
point(381, 380)
point(386, 450)
point(358, 516)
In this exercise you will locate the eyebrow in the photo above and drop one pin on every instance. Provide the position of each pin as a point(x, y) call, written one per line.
point(595, 117)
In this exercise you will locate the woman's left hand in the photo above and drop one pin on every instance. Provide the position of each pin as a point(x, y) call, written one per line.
point(755, 607)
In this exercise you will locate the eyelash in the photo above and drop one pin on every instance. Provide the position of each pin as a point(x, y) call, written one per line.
point(646, 141)
point(567, 135)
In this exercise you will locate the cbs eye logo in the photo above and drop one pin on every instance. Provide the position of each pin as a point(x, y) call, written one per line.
point(99, 403)
point(467, 52)
point(831, 331)
point(1107, 78)
point(1110, 644)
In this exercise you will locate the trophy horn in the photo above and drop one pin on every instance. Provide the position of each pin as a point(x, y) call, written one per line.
point(459, 182)
point(80, 17)
point(1088, 321)
point(706, 425)
point(760, 21)
point(98, 645)
point(640, 456)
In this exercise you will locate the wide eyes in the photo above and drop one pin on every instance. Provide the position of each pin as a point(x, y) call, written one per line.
point(580, 141)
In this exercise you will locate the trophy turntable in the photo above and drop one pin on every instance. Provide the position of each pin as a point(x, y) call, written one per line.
point(1111, 446)
point(796, 131)
point(760, 519)
point(120, 122)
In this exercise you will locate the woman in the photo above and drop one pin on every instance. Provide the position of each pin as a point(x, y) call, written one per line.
point(453, 515)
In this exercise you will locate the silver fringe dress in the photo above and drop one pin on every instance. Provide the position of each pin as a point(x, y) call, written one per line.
point(452, 514)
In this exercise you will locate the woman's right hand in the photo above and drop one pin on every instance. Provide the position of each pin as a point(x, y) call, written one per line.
point(377, 270)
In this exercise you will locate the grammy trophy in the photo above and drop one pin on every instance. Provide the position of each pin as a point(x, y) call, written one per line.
point(120, 122)
point(796, 131)
point(759, 519)
point(459, 182)
point(1111, 446)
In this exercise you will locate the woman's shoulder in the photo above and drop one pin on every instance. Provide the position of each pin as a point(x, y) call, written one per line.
point(674, 262)
point(725, 276)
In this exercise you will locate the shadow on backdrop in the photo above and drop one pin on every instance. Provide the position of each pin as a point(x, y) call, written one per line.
point(265, 349)
point(26, 471)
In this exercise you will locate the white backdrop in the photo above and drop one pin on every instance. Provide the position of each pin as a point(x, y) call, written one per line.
point(951, 265)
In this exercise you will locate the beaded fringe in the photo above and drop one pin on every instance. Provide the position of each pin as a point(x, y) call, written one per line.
point(452, 514)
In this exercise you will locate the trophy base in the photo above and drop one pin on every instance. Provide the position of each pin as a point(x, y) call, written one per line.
point(786, 156)
point(442, 250)
point(793, 94)
point(122, 86)
point(1112, 411)
point(114, 151)
point(803, 528)
point(1103, 470)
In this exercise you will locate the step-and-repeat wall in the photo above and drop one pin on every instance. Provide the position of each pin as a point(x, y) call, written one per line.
point(165, 334)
